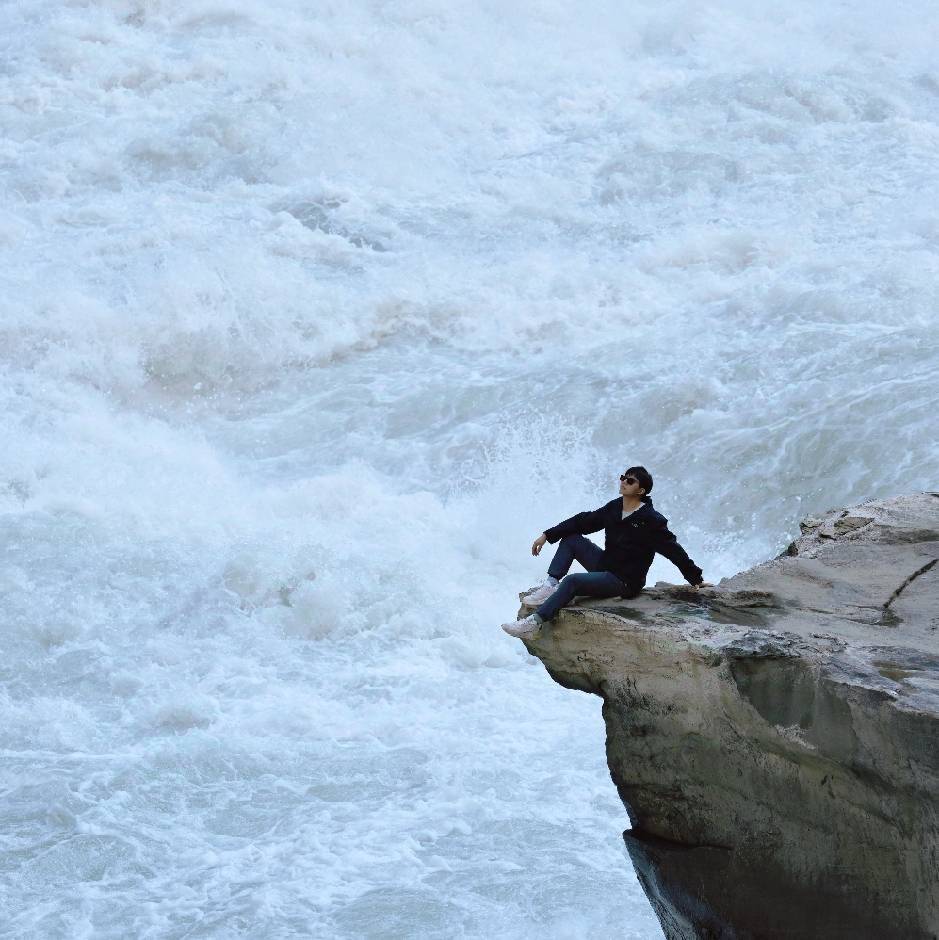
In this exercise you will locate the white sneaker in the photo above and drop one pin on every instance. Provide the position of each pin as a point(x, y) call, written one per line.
point(524, 629)
point(541, 593)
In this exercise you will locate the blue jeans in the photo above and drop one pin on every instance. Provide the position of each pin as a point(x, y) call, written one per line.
point(594, 582)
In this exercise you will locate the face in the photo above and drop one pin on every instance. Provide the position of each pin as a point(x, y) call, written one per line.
point(630, 486)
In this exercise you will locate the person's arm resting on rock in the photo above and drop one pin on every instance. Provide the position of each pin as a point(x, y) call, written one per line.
point(665, 543)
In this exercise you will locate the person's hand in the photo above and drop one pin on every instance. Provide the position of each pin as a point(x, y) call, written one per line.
point(539, 543)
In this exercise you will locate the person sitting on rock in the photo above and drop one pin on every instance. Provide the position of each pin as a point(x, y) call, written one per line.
point(634, 532)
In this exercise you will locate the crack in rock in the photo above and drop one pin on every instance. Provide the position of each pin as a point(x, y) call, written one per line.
point(888, 618)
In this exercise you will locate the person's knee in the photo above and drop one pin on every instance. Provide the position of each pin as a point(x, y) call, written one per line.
point(571, 581)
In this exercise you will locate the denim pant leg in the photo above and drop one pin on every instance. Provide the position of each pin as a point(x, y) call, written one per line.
point(592, 583)
point(573, 548)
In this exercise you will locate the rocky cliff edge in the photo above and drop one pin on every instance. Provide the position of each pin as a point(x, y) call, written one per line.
point(775, 738)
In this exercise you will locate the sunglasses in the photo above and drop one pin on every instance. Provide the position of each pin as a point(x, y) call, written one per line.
point(626, 479)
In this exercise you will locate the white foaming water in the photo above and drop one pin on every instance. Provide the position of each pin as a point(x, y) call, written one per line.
point(313, 319)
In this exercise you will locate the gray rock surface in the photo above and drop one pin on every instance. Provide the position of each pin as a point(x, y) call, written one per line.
point(775, 738)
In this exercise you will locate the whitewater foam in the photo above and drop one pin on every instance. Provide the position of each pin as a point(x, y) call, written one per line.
point(312, 321)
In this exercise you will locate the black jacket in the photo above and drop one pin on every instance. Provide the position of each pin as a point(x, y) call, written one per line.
point(631, 543)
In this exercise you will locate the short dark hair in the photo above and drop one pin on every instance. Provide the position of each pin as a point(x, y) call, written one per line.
point(643, 476)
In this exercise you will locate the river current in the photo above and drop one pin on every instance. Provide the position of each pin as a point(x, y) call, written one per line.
point(313, 318)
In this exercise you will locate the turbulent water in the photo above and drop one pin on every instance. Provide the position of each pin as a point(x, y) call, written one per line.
point(314, 316)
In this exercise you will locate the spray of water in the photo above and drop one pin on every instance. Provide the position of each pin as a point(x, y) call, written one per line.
point(312, 320)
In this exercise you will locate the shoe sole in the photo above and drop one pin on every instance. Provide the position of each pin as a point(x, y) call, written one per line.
point(527, 635)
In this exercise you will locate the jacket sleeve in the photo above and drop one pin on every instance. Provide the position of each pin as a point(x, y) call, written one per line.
point(665, 543)
point(582, 524)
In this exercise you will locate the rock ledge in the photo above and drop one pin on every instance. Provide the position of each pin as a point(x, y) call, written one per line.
point(775, 739)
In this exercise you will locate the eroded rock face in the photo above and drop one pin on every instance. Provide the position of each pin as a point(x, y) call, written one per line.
point(775, 739)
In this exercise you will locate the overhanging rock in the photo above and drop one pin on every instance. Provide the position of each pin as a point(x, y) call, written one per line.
point(775, 739)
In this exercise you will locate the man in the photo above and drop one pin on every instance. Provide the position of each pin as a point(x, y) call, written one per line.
point(634, 532)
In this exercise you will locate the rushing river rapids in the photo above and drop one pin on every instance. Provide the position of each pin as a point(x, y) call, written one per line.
point(313, 319)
